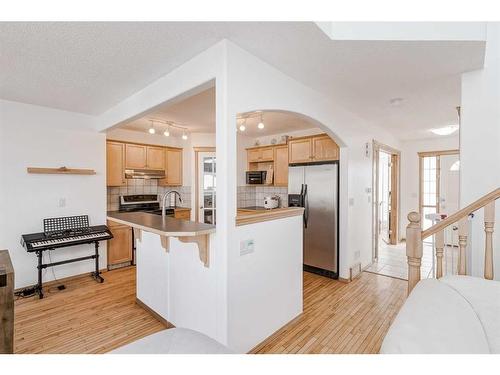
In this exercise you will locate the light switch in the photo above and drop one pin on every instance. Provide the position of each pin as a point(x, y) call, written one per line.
point(62, 202)
point(246, 247)
point(351, 202)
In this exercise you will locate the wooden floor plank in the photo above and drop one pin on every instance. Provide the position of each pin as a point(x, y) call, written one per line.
point(339, 317)
point(86, 317)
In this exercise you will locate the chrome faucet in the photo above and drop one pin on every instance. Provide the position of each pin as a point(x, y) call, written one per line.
point(164, 199)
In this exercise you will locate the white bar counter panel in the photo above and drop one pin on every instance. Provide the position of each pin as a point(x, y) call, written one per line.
point(173, 282)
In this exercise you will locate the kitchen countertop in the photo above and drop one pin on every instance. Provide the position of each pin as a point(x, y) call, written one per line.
point(250, 215)
point(163, 226)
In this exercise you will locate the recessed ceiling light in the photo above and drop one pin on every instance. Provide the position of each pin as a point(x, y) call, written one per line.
point(396, 102)
point(445, 130)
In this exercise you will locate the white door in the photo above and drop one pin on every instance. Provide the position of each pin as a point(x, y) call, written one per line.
point(207, 182)
point(384, 195)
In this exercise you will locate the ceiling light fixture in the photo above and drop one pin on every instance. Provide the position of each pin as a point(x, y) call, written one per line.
point(184, 135)
point(261, 123)
point(166, 133)
point(152, 129)
point(446, 130)
point(242, 126)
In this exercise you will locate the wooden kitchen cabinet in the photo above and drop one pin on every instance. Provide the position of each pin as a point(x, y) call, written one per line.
point(260, 154)
point(182, 214)
point(300, 150)
point(120, 247)
point(173, 160)
point(324, 148)
point(115, 164)
point(135, 156)
point(281, 165)
point(155, 157)
point(311, 149)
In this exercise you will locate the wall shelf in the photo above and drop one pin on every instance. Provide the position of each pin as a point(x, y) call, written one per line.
point(61, 170)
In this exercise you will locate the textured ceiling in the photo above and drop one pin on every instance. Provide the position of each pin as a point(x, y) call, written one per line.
point(89, 67)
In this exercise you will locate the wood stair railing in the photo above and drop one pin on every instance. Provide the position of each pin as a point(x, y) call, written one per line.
point(415, 237)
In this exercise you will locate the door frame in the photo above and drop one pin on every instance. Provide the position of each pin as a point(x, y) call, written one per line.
point(395, 194)
point(197, 151)
point(437, 154)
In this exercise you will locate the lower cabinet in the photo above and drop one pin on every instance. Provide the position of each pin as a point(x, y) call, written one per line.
point(120, 247)
point(182, 214)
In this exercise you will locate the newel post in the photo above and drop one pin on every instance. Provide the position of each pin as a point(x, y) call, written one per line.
point(413, 249)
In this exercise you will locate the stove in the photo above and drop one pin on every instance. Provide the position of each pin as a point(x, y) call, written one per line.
point(143, 203)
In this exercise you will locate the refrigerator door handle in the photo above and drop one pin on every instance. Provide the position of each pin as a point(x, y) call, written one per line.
point(306, 204)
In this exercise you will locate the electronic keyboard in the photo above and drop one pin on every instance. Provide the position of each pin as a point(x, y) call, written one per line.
point(63, 232)
point(70, 237)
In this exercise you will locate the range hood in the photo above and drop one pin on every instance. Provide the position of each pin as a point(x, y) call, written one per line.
point(145, 174)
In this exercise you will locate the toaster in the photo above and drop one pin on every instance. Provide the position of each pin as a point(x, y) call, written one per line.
point(272, 201)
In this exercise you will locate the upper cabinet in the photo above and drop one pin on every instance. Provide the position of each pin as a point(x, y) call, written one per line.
point(324, 148)
point(300, 150)
point(135, 156)
point(312, 149)
point(155, 157)
point(260, 154)
point(122, 155)
point(173, 160)
point(115, 164)
point(281, 165)
point(144, 157)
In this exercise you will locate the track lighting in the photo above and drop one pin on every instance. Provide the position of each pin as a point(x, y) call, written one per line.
point(242, 126)
point(152, 129)
point(261, 123)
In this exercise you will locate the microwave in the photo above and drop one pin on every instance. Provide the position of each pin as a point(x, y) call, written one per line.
point(256, 177)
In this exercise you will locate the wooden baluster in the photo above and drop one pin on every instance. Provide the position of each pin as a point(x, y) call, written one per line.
point(463, 230)
point(439, 239)
point(489, 223)
point(413, 249)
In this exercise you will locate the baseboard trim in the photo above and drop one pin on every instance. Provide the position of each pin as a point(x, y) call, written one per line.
point(157, 316)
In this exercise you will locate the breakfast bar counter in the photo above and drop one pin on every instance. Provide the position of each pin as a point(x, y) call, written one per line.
point(176, 269)
point(163, 226)
point(247, 216)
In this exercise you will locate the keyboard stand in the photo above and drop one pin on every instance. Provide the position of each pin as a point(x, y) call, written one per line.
point(39, 253)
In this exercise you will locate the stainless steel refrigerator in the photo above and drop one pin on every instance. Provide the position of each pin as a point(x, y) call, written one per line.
point(315, 187)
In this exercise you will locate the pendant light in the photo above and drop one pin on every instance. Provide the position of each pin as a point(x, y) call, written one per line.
point(152, 129)
point(184, 135)
point(166, 133)
point(261, 123)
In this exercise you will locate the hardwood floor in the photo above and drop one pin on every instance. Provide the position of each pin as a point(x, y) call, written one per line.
point(85, 318)
point(339, 317)
point(94, 318)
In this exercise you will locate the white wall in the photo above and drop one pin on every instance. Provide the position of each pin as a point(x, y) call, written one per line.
point(410, 173)
point(479, 143)
point(33, 136)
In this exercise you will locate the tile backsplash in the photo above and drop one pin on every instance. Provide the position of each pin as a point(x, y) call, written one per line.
point(139, 186)
point(254, 195)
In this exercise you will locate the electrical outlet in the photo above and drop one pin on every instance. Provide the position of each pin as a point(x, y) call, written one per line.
point(351, 202)
point(246, 247)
